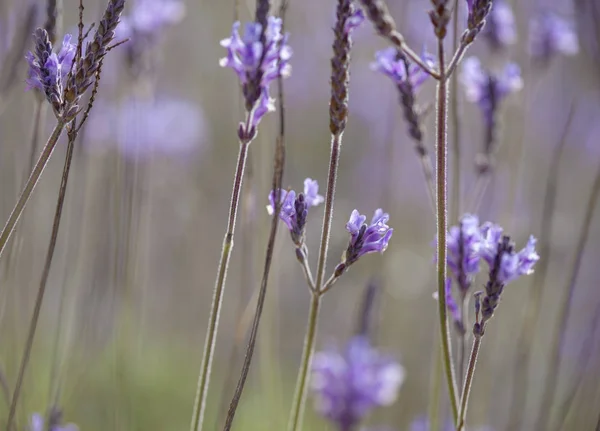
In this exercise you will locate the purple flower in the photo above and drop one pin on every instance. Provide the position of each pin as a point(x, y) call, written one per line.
point(36, 423)
point(464, 243)
point(348, 385)
point(355, 20)
point(257, 64)
point(365, 238)
point(549, 34)
point(294, 209)
point(388, 62)
point(48, 70)
point(500, 28)
point(488, 90)
point(140, 128)
point(512, 264)
point(149, 18)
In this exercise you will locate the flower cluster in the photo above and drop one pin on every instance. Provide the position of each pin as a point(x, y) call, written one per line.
point(294, 208)
point(48, 70)
point(393, 64)
point(364, 238)
point(258, 58)
point(348, 385)
point(500, 29)
point(464, 245)
point(486, 89)
point(36, 423)
point(549, 35)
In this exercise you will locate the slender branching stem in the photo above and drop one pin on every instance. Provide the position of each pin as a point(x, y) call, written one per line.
point(565, 311)
point(442, 228)
point(329, 284)
point(458, 55)
point(39, 119)
point(534, 300)
point(462, 341)
point(415, 58)
point(278, 165)
point(303, 259)
point(464, 399)
point(43, 282)
point(313, 314)
point(36, 173)
point(215, 311)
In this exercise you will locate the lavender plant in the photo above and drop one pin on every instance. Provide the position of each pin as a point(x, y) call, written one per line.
point(37, 423)
point(549, 34)
point(500, 30)
point(258, 57)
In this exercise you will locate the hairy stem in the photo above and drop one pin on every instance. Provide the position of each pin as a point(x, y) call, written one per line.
point(44, 279)
point(215, 311)
point(30, 185)
point(455, 201)
point(464, 401)
point(309, 340)
point(565, 311)
point(442, 228)
point(435, 385)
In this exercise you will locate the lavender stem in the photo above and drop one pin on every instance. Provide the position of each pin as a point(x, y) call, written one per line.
point(215, 311)
point(442, 228)
point(44, 279)
point(30, 185)
point(464, 401)
point(455, 202)
point(458, 55)
point(436, 385)
point(313, 314)
point(565, 310)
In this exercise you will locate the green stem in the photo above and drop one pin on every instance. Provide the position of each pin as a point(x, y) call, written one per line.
point(309, 340)
point(43, 282)
point(464, 401)
point(442, 227)
point(30, 185)
point(436, 385)
point(215, 311)
point(456, 184)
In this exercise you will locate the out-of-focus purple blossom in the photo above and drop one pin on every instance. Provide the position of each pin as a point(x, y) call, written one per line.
point(257, 64)
point(500, 28)
point(365, 238)
point(36, 423)
point(464, 242)
point(422, 424)
point(149, 18)
point(164, 126)
point(48, 69)
point(486, 89)
point(294, 209)
point(512, 264)
point(348, 385)
point(452, 306)
point(550, 34)
point(388, 62)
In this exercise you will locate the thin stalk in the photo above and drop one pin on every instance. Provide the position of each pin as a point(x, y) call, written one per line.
point(464, 401)
point(458, 55)
point(442, 228)
point(462, 341)
point(278, 165)
point(213, 320)
point(534, 301)
point(435, 388)
point(40, 110)
point(311, 332)
point(565, 311)
point(43, 281)
point(456, 183)
point(30, 185)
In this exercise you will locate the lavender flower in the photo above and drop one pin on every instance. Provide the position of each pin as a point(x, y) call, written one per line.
point(505, 265)
point(348, 385)
point(37, 424)
point(464, 243)
point(392, 64)
point(549, 35)
point(257, 63)
point(294, 209)
point(48, 70)
point(488, 90)
point(365, 238)
point(139, 128)
point(500, 29)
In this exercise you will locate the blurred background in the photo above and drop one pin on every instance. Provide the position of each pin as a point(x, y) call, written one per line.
point(125, 314)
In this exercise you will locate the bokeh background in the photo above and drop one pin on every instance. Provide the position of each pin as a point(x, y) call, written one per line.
point(124, 319)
